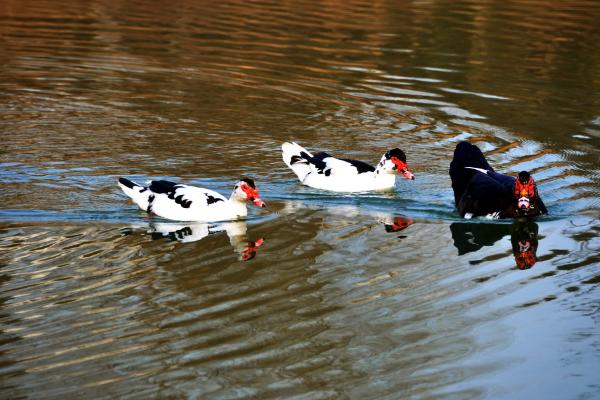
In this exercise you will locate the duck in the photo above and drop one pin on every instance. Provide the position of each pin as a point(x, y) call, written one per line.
point(180, 202)
point(325, 172)
point(481, 191)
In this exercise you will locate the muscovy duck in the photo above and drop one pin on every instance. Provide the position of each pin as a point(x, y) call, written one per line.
point(480, 191)
point(188, 203)
point(322, 171)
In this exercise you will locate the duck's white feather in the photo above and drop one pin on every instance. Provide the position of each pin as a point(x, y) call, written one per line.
point(204, 205)
point(340, 168)
point(485, 171)
point(339, 182)
point(293, 157)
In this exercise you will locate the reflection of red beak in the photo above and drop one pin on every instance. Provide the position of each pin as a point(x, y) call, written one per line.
point(400, 223)
point(402, 168)
point(250, 251)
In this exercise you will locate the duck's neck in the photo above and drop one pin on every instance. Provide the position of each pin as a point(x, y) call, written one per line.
point(382, 179)
point(237, 206)
point(381, 173)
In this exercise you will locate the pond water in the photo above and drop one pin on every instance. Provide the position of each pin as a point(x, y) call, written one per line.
point(371, 296)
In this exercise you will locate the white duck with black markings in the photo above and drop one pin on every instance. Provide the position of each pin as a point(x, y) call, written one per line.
point(179, 202)
point(322, 171)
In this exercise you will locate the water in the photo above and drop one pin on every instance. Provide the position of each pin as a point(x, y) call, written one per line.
point(377, 296)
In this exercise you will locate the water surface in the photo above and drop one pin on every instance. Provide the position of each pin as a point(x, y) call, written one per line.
point(386, 295)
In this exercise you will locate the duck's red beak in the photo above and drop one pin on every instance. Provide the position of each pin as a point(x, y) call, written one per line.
point(402, 168)
point(252, 195)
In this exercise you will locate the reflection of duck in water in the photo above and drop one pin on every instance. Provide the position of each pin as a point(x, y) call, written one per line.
point(398, 223)
point(469, 237)
point(479, 190)
point(391, 222)
point(192, 232)
point(524, 239)
point(472, 236)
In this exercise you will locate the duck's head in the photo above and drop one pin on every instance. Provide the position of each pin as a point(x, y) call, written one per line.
point(395, 160)
point(245, 190)
point(524, 192)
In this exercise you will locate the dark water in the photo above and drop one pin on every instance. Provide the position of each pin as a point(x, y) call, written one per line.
point(378, 296)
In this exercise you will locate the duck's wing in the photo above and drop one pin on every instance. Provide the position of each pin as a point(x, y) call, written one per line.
point(324, 163)
point(169, 197)
point(485, 195)
point(467, 159)
point(506, 181)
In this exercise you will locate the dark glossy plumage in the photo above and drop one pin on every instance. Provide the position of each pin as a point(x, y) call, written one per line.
point(479, 190)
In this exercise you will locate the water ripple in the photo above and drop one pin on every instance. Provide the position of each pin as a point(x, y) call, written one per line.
point(370, 296)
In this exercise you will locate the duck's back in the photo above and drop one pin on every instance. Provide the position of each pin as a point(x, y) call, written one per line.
point(465, 155)
point(486, 193)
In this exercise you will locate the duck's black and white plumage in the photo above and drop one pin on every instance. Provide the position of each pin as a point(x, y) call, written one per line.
point(188, 203)
point(480, 191)
point(322, 171)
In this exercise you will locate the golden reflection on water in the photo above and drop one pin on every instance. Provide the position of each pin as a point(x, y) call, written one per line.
point(324, 296)
point(119, 309)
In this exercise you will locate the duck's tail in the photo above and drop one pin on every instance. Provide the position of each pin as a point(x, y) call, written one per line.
point(466, 156)
point(138, 193)
point(296, 157)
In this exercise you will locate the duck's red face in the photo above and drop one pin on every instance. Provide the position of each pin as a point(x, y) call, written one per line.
point(402, 168)
point(252, 195)
point(524, 193)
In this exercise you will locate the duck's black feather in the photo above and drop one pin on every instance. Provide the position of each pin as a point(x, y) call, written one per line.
point(465, 155)
point(163, 186)
point(319, 160)
point(483, 191)
point(360, 166)
point(486, 194)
